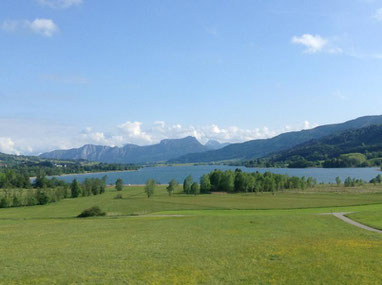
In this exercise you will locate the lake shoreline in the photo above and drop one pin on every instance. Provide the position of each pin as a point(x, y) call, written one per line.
point(164, 174)
point(86, 173)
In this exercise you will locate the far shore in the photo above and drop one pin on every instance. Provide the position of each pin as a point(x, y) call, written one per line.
point(85, 173)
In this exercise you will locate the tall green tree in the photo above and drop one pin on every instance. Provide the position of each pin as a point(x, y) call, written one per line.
point(150, 187)
point(75, 189)
point(171, 186)
point(205, 184)
point(227, 180)
point(195, 188)
point(119, 184)
point(41, 180)
point(240, 182)
point(215, 177)
point(187, 184)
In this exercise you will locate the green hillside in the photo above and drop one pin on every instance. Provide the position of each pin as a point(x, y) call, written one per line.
point(205, 239)
point(32, 165)
point(259, 148)
point(355, 148)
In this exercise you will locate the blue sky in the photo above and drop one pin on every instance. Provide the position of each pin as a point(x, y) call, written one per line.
point(116, 72)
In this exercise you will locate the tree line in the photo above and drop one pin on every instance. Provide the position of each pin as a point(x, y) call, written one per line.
point(32, 165)
point(238, 182)
point(235, 182)
point(43, 191)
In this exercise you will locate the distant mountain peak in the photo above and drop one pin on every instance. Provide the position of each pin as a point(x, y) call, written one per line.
point(185, 139)
point(130, 153)
point(214, 144)
point(263, 147)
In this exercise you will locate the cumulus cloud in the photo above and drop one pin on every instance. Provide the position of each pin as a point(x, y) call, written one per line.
point(161, 130)
point(43, 27)
point(88, 136)
point(316, 44)
point(312, 43)
point(378, 15)
point(133, 131)
point(59, 4)
point(42, 136)
point(7, 145)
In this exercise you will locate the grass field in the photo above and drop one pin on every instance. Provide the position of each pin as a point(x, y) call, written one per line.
point(220, 239)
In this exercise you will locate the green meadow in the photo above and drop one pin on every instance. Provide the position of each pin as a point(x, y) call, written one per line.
point(205, 239)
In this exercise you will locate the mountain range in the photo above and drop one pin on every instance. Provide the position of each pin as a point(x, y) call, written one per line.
point(335, 150)
point(190, 150)
point(130, 153)
point(263, 147)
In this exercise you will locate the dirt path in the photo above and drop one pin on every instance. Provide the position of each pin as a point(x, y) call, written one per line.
point(354, 223)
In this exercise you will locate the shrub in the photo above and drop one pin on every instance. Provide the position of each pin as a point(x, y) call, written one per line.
point(92, 212)
point(16, 201)
point(31, 199)
point(42, 198)
point(4, 202)
point(118, 196)
point(119, 184)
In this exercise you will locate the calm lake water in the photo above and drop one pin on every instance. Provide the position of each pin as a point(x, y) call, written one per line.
point(164, 174)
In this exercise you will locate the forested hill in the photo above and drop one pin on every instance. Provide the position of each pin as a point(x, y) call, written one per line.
point(130, 153)
point(33, 165)
point(359, 147)
point(260, 148)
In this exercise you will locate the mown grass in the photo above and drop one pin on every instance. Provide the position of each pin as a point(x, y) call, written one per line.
point(135, 202)
point(214, 243)
point(371, 217)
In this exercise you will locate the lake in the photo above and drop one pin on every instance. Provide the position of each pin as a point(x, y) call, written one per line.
point(164, 174)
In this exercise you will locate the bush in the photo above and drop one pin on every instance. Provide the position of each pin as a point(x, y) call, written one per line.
point(16, 201)
point(92, 212)
point(4, 202)
point(118, 196)
point(42, 198)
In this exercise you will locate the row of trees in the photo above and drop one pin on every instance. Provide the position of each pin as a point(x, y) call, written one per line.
point(12, 179)
point(31, 197)
point(32, 166)
point(42, 194)
point(376, 180)
point(190, 187)
point(90, 186)
point(239, 181)
point(234, 182)
point(352, 182)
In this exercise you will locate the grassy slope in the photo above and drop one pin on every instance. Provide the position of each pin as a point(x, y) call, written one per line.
point(371, 217)
point(45, 244)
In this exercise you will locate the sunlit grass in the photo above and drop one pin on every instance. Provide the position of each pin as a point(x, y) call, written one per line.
point(211, 244)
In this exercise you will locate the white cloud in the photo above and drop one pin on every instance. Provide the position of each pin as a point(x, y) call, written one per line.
point(37, 136)
point(133, 131)
point(367, 56)
point(88, 136)
point(313, 43)
point(378, 15)
point(43, 27)
point(161, 130)
point(7, 145)
point(60, 4)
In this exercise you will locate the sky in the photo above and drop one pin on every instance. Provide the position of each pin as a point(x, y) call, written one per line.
point(126, 71)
